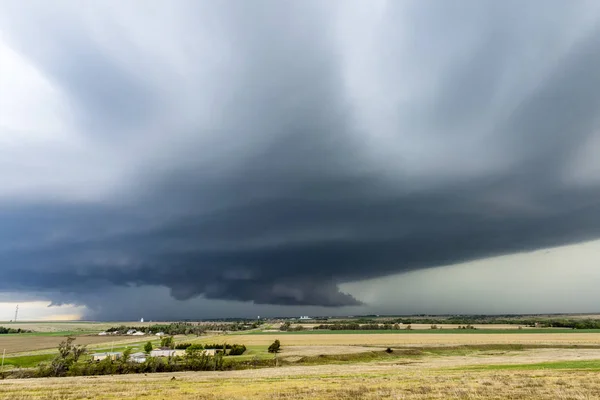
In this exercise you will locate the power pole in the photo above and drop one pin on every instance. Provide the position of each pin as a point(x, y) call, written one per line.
point(16, 313)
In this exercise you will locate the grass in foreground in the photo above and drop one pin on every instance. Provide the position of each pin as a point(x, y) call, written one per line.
point(331, 382)
point(589, 365)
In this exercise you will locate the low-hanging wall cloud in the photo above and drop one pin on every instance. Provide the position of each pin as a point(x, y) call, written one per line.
point(269, 151)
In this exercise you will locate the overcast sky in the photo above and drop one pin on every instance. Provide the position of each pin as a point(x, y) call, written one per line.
point(190, 159)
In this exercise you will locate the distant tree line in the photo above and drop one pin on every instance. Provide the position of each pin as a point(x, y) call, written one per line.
point(187, 328)
point(358, 327)
point(467, 321)
point(571, 323)
point(287, 327)
point(234, 349)
point(4, 331)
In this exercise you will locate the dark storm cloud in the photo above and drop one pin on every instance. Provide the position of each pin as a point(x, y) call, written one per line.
point(280, 195)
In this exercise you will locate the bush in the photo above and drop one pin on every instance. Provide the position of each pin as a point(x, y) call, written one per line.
point(148, 347)
point(182, 346)
point(237, 350)
point(274, 347)
point(219, 346)
point(4, 330)
point(68, 355)
point(194, 348)
point(168, 341)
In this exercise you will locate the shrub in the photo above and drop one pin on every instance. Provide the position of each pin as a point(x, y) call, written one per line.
point(274, 347)
point(168, 341)
point(182, 346)
point(237, 350)
point(194, 347)
point(148, 347)
point(217, 346)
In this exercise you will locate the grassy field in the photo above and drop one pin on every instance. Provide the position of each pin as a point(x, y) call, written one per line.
point(30, 343)
point(488, 331)
point(75, 327)
point(376, 380)
point(424, 364)
point(591, 365)
point(410, 339)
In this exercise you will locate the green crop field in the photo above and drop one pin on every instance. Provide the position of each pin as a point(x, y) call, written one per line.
point(591, 365)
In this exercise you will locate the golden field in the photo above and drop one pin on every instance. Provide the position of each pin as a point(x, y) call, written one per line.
point(410, 380)
point(464, 365)
point(410, 339)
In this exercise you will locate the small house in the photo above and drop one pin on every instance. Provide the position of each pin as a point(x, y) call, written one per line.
point(138, 333)
point(163, 353)
point(138, 357)
point(102, 356)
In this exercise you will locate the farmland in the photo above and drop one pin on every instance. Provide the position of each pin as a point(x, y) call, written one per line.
point(492, 361)
point(429, 378)
point(28, 343)
point(415, 338)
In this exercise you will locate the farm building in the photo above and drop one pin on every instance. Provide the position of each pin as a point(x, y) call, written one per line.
point(138, 357)
point(166, 353)
point(138, 333)
point(102, 356)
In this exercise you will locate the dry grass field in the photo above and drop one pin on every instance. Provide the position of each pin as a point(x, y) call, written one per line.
point(72, 326)
point(445, 378)
point(417, 326)
point(343, 366)
point(24, 344)
point(411, 339)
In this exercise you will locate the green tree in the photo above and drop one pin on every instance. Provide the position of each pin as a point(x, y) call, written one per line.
point(68, 354)
point(148, 347)
point(168, 341)
point(126, 355)
point(285, 326)
point(274, 347)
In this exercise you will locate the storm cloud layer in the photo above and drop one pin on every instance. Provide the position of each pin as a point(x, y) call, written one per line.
point(269, 151)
